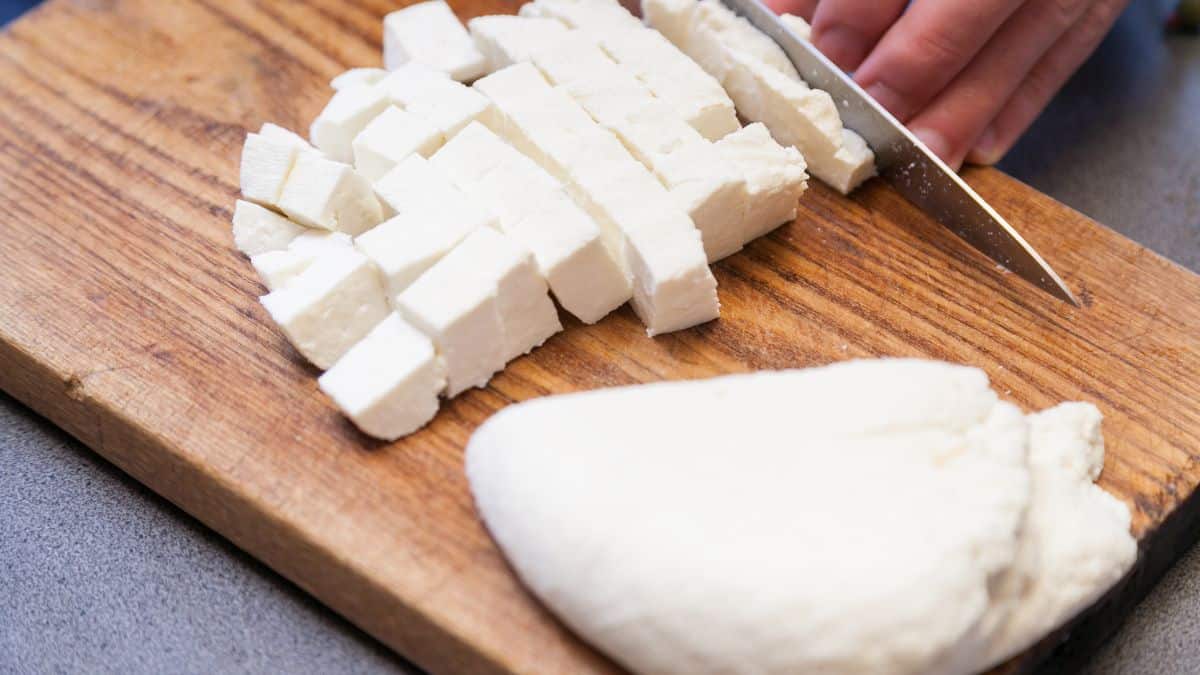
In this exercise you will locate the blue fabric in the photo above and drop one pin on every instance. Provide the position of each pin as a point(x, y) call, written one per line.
point(11, 9)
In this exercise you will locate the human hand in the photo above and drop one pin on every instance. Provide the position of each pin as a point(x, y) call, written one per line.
point(968, 77)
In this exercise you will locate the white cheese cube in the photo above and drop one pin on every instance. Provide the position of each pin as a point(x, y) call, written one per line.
point(258, 230)
point(349, 111)
point(797, 25)
point(775, 178)
point(329, 306)
point(279, 268)
point(356, 77)
point(522, 295)
point(275, 132)
point(505, 40)
point(710, 191)
point(448, 105)
point(671, 18)
point(429, 33)
point(390, 138)
point(597, 15)
point(329, 195)
point(407, 245)
point(388, 383)
point(675, 78)
point(851, 165)
point(717, 20)
point(416, 185)
point(265, 166)
point(530, 10)
point(456, 306)
point(536, 212)
point(674, 288)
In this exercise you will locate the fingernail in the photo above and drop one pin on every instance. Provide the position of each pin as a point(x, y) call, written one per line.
point(934, 140)
point(986, 150)
point(887, 97)
point(841, 44)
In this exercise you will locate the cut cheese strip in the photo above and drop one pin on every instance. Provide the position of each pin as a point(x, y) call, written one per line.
point(430, 34)
point(613, 188)
point(267, 159)
point(417, 186)
point(349, 112)
point(448, 105)
point(527, 314)
point(765, 87)
point(388, 383)
point(329, 306)
point(329, 195)
point(506, 39)
point(597, 15)
point(357, 76)
point(775, 178)
point(277, 269)
point(258, 230)
point(390, 138)
point(699, 181)
point(533, 208)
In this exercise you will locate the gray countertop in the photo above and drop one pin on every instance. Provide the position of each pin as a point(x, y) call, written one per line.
point(97, 574)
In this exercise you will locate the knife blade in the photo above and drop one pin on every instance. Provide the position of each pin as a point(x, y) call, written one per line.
point(906, 163)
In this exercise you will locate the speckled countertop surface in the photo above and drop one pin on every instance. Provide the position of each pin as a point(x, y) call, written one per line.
point(97, 574)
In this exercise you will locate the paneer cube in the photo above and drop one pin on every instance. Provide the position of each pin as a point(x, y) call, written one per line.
point(390, 138)
point(429, 33)
point(329, 195)
point(267, 159)
point(279, 268)
point(356, 77)
point(349, 112)
point(505, 40)
point(407, 245)
point(448, 105)
point(329, 306)
point(388, 382)
point(258, 230)
point(775, 178)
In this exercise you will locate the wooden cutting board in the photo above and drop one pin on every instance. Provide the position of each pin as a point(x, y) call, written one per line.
point(127, 318)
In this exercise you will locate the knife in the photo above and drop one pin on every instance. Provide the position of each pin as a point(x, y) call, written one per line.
point(904, 161)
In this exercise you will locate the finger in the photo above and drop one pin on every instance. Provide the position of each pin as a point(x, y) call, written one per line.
point(926, 47)
point(846, 30)
point(957, 116)
point(1044, 81)
point(801, 8)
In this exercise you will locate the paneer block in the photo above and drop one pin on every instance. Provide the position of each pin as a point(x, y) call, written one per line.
point(390, 138)
point(716, 21)
point(595, 15)
point(522, 295)
point(329, 195)
point(279, 268)
point(448, 105)
point(775, 178)
point(405, 246)
point(851, 165)
point(674, 78)
point(457, 307)
point(536, 212)
point(329, 306)
point(429, 33)
point(698, 180)
point(797, 25)
point(672, 19)
point(418, 186)
point(267, 159)
point(258, 230)
point(505, 40)
point(356, 77)
point(388, 382)
point(349, 112)
point(674, 288)
point(277, 133)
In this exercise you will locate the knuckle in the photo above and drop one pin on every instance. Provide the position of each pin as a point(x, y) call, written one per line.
point(1064, 13)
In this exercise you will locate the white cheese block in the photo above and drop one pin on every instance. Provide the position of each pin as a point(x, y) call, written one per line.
point(535, 211)
point(615, 189)
point(845, 519)
point(506, 39)
point(699, 181)
point(797, 25)
point(346, 114)
point(851, 165)
point(330, 306)
point(448, 105)
point(407, 245)
point(390, 138)
point(775, 178)
point(357, 76)
point(329, 195)
point(267, 159)
point(279, 268)
point(673, 20)
point(596, 15)
point(672, 76)
point(456, 305)
point(716, 20)
point(416, 185)
point(523, 300)
point(430, 34)
point(1075, 542)
point(388, 383)
point(258, 230)
point(275, 132)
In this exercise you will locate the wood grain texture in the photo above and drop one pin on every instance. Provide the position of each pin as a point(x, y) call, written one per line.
point(127, 318)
